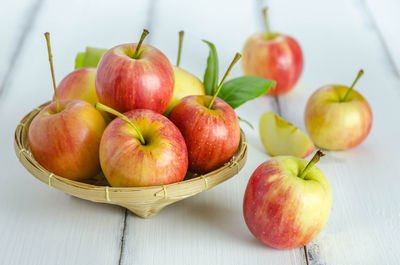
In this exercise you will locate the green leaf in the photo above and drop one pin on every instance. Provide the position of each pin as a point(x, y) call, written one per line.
point(89, 58)
point(237, 91)
point(211, 74)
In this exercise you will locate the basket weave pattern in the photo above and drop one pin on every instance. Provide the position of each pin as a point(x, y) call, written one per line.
point(143, 201)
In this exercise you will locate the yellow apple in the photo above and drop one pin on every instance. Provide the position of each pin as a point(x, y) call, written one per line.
point(186, 84)
point(280, 137)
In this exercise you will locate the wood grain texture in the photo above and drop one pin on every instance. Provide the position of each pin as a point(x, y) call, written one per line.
point(364, 223)
point(38, 224)
point(207, 228)
point(16, 25)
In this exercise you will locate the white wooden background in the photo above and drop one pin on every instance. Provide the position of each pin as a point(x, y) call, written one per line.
point(40, 225)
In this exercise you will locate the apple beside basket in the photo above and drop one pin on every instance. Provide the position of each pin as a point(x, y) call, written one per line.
point(143, 201)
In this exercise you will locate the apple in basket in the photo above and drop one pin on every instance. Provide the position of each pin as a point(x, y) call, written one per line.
point(273, 56)
point(210, 128)
point(135, 76)
point(287, 201)
point(142, 148)
point(65, 136)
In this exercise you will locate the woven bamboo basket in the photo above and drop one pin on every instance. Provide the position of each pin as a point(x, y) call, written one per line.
point(143, 201)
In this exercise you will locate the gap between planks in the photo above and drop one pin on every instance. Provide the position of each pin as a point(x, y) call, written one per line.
point(32, 16)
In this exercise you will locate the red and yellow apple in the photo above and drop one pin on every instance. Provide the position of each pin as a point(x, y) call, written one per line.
point(287, 202)
point(79, 84)
point(142, 148)
point(212, 135)
point(280, 137)
point(66, 142)
point(273, 56)
point(338, 117)
point(210, 128)
point(135, 76)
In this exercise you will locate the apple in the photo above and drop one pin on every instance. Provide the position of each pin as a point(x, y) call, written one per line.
point(287, 202)
point(186, 84)
point(210, 128)
point(65, 136)
point(280, 137)
point(273, 56)
point(338, 117)
point(79, 84)
point(142, 148)
point(135, 76)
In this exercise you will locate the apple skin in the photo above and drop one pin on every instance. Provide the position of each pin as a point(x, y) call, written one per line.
point(212, 135)
point(128, 163)
point(67, 143)
point(279, 59)
point(79, 84)
point(282, 210)
point(124, 84)
point(335, 125)
point(186, 84)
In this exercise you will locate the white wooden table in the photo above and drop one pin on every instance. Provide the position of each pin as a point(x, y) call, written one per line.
point(40, 225)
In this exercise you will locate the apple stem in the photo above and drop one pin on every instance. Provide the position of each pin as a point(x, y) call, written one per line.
point(47, 36)
point(178, 60)
point(344, 99)
point(237, 57)
point(144, 34)
point(266, 22)
point(102, 107)
point(310, 164)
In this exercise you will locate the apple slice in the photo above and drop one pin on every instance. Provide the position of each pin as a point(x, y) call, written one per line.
point(280, 137)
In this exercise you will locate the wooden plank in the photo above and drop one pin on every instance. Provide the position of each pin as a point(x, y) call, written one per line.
point(38, 224)
point(17, 22)
point(207, 228)
point(385, 20)
point(338, 40)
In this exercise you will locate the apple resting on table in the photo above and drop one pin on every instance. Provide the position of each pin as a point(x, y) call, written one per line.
point(186, 84)
point(210, 128)
point(142, 148)
point(135, 76)
point(287, 202)
point(338, 117)
point(280, 137)
point(273, 56)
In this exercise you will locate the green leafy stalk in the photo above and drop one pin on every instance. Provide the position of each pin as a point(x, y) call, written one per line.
point(310, 164)
point(178, 60)
point(237, 57)
point(238, 91)
point(344, 99)
point(210, 79)
point(102, 107)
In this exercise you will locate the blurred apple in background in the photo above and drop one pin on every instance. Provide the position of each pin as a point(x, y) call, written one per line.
point(280, 137)
point(210, 128)
point(142, 148)
point(338, 117)
point(273, 56)
point(287, 202)
point(135, 76)
point(186, 84)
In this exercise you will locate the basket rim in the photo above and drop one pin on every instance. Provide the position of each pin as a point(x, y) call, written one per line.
point(72, 187)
